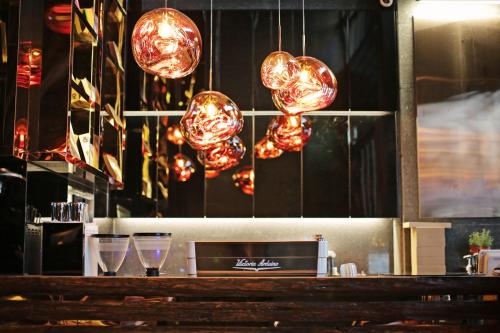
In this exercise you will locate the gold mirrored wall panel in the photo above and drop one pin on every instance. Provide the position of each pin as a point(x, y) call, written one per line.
point(60, 64)
point(457, 87)
point(42, 80)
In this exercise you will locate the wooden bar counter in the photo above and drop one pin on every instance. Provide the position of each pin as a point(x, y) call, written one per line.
point(366, 304)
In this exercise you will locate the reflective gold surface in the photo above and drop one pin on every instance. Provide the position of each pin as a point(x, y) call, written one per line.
point(290, 133)
point(316, 88)
point(211, 118)
point(224, 155)
point(279, 70)
point(167, 43)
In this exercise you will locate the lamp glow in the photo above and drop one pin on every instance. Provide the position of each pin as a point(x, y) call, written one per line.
point(290, 133)
point(211, 118)
point(167, 43)
point(266, 149)
point(224, 155)
point(279, 70)
point(315, 89)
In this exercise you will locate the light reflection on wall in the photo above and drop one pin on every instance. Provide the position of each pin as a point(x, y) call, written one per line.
point(458, 112)
point(459, 156)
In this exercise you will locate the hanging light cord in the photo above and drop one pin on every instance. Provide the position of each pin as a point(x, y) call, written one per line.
point(210, 71)
point(279, 25)
point(303, 29)
point(166, 3)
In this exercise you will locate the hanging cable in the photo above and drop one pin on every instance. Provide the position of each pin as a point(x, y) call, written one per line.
point(279, 25)
point(166, 3)
point(210, 71)
point(303, 29)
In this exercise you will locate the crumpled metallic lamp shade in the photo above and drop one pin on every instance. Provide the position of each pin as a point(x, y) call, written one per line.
point(315, 89)
point(183, 167)
point(210, 174)
point(244, 179)
point(290, 133)
point(211, 118)
point(167, 43)
point(279, 70)
point(223, 156)
point(174, 135)
point(266, 149)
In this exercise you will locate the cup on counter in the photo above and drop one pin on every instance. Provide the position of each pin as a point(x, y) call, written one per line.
point(79, 212)
point(69, 212)
point(59, 211)
point(348, 270)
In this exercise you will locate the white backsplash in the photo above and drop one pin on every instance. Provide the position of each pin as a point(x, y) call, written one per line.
point(366, 242)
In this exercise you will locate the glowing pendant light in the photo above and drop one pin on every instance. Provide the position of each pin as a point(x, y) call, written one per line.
point(211, 117)
point(167, 43)
point(280, 69)
point(266, 149)
point(210, 174)
point(183, 167)
point(174, 135)
point(244, 179)
point(315, 89)
point(224, 155)
point(290, 133)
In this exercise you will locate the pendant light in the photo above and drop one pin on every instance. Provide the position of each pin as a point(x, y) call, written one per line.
point(174, 135)
point(279, 69)
point(266, 149)
point(224, 155)
point(315, 88)
point(244, 179)
point(183, 167)
point(290, 133)
point(211, 116)
point(167, 43)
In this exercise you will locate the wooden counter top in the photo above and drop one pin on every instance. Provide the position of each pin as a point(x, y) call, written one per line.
point(252, 304)
point(251, 287)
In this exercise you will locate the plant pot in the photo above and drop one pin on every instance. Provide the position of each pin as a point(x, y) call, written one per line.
point(473, 249)
point(485, 248)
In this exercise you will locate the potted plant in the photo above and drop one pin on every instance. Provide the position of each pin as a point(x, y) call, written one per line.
point(474, 242)
point(486, 240)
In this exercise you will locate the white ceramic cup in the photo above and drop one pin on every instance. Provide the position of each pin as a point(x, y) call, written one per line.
point(348, 270)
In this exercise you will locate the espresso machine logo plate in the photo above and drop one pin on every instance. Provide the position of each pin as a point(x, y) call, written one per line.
point(259, 265)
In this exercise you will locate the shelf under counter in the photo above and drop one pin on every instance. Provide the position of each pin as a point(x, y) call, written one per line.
point(366, 304)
